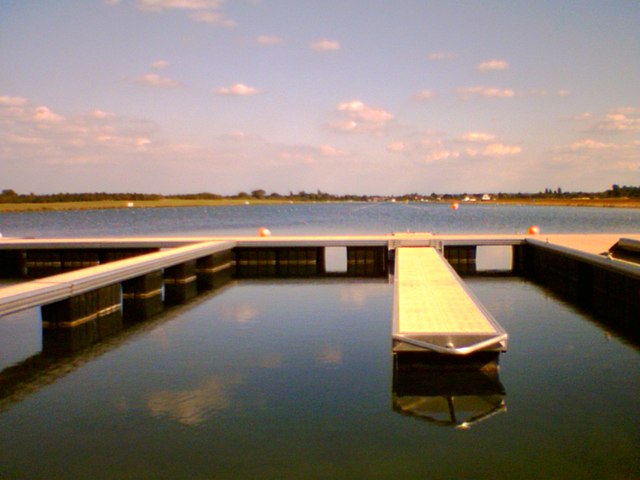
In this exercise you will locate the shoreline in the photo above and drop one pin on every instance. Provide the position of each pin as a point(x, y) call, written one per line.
point(176, 203)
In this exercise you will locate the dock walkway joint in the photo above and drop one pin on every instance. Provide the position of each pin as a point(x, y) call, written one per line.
point(434, 311)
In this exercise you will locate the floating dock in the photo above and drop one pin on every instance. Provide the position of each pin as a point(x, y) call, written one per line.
point(90, 285)
point(434, 311)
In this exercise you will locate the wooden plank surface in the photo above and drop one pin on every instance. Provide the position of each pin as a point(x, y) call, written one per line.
point(431, 299)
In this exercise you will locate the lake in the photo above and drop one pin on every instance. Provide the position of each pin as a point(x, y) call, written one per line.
point(324, 218)
point(295, 378)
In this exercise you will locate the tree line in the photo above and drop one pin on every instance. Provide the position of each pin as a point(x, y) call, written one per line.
point(11, 196)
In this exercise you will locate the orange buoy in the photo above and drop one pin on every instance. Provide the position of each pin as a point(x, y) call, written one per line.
point(455, 206)
point(264, 232)
point(534, 230)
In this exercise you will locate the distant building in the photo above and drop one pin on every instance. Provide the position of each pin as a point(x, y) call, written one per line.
point(486, 197)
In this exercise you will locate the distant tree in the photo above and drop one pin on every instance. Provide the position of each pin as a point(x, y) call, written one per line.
point(615, 191)
point(260, 194)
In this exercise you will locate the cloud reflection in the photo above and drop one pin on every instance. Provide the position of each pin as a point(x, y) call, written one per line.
point(329, 355)
point(194, 407)
point(239, 313)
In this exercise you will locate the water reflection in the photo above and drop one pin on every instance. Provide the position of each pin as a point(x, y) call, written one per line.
point(458, 398)
point(66, 350)
point(193, 407)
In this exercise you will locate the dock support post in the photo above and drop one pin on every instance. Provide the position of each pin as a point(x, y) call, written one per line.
point(180, 283)
point(142, 296)
point(214, 270)
point(298, 261)
point(461, 257)
point(83, 319)
point(518, 255)
point(42, 263)
point(256, 262)
point(76, 259)
point(367, 261)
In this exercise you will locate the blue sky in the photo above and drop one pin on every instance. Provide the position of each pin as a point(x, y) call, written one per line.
point(350, 96)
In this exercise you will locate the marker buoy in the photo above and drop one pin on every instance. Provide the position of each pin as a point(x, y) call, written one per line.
point(534, 230)
point(264, 232)
point(455, 206)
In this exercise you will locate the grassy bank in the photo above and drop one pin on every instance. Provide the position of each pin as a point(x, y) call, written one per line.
point(110, 204)
point(175, 203)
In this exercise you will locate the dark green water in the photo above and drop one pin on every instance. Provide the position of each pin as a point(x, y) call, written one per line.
point(295, 380)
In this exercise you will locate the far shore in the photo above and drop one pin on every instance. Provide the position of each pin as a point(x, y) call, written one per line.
point(177, 203)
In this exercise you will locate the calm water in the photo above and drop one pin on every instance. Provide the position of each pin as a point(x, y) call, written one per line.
point(336, 218)
point(294, 379)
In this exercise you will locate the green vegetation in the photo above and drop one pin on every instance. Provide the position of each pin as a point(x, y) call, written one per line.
point(12, 201)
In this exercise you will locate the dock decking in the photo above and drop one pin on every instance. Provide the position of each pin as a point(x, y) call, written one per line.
point(434, 311)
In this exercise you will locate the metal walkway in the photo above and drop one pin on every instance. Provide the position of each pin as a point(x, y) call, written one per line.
point(433, 310)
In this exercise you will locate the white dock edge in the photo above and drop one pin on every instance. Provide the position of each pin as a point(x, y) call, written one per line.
point(58, 287)
point(433, 310)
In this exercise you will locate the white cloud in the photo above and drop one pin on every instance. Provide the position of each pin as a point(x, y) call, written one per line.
point(423, 96)
point(478, 137)
point(492, 65)
point(13, 101)
point(500, 150)
point(214, 18)
point(269, 40)
point(330, 151)
point(202, 11)
point(620, 120)
point(325, 45)
point(100, 114)
point(158, 5)
point(95, 137)
point(439, 155)
point(493, 150)
point(396, 146)
point(142, 142)
point(590, 144)
point(159, 64)
point(43, 114)
point(488, 92)
point(155, 80)
point(238, 90)
point(360, 118)
point(599, 157)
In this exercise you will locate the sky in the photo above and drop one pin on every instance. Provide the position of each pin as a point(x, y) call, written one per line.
point(370, 97)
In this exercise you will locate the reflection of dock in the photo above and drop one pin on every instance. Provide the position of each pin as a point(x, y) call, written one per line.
point(64, 351)
point(434, 311)
point(446, 397)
